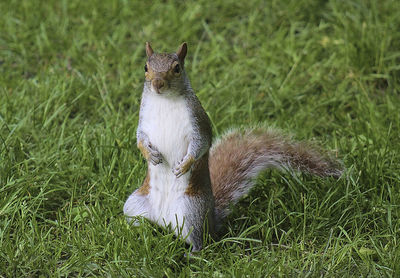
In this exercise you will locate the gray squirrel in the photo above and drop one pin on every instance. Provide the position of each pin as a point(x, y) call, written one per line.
point(191, 183)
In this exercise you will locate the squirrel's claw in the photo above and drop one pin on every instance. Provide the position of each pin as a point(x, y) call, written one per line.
point(155, 157)
point(178, 172)
point(183, 166)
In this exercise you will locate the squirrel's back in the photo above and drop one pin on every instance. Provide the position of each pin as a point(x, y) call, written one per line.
point(240, 156)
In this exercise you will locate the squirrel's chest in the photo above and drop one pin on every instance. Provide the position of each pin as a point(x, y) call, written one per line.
point(167, 123)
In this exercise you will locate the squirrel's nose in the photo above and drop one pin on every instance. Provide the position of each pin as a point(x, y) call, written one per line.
point(158, 84)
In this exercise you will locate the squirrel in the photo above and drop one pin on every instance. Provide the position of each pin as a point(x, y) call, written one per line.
point(190, 182)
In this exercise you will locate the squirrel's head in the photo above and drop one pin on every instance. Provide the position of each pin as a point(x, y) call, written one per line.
point(163, 70)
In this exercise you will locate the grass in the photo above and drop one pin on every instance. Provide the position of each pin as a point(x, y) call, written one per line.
point(71, 75)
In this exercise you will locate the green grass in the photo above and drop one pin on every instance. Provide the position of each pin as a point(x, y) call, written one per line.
point(71, 75)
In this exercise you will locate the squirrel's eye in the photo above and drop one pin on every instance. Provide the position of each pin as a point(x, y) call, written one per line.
point(145, 68)
point(177, 69)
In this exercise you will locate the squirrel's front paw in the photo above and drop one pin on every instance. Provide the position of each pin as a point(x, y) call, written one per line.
point(155, 156)
point(150, 153)
point(183, 166)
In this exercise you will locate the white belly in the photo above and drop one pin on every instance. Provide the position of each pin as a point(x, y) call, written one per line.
point(166, 123)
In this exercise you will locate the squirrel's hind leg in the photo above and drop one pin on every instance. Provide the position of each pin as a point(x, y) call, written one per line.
point(136, 205)
point(198, 217)
point(138, 202)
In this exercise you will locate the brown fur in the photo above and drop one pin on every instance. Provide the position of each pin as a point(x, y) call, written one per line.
point(145, 188)
point(149, 50)
point(143, 150)
point(200, 177)
point(188, 163)
point(182, 51)
point(241, 156)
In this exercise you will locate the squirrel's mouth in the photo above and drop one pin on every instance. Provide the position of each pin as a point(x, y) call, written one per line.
point(159, 85)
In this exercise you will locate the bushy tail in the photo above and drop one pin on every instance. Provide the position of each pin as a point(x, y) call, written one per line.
point(238, 157)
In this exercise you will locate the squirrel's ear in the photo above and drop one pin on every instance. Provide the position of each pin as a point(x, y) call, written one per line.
point(182, 51)
point(149, 50)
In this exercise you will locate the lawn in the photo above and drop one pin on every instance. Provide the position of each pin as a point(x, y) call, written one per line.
point(71, 76)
